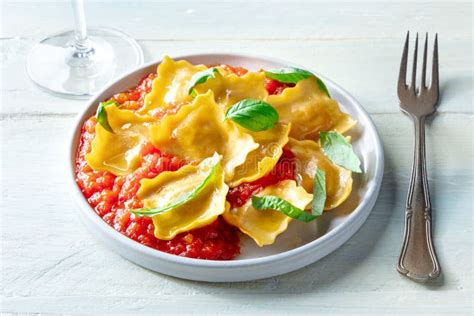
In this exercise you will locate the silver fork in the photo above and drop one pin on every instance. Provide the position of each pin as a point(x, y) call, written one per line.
point(418, 258)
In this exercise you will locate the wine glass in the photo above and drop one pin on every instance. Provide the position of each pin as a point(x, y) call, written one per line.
point(79, 63)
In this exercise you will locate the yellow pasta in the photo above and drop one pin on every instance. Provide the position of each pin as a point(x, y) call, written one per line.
point(309, 157)
point(198, 212)
point(199, 133)
point(261, 161)
point(264, 226)
point(229, 88)
point(309, 110)
point(119, 152)
point(171, 85)
point(198, 130)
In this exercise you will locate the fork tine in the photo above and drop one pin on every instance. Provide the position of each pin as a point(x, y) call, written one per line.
point(435, 69)
point(423, 72)
point(413, 73)
point(403, 66)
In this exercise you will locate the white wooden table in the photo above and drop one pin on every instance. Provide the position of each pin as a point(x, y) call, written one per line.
point(51, 264)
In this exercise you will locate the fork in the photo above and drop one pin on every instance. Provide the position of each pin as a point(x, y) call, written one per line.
point(417, 259)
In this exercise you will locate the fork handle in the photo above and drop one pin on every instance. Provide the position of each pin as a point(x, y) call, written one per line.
point(417, 259)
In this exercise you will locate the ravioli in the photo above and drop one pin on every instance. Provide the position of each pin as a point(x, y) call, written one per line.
point(171, 185)
point(221, 153)
point(264, 226)
point(261, 161)
point(170, 87)
point(310, 156)
point(119, 152)
point(229, 88)
point(198, 130)
point(309, 110)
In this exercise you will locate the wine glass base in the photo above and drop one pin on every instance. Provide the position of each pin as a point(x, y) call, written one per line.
point(48, 63)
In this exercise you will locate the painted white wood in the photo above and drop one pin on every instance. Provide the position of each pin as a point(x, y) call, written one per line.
point(55, 266)
point(264, 20)
point(372, 65)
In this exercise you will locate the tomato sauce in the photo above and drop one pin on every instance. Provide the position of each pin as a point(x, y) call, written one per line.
point(276, 87)
point(112, 196)
point(283, 170)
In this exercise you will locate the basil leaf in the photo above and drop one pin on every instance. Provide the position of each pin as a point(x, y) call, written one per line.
point(255, 115)
point(322, 86)
point(201, 77)
point(101, 115)
point(339, 151)
point(184, 198)
point(319, 192)
point(288, 75)
point(293, 75)
point(270, 202)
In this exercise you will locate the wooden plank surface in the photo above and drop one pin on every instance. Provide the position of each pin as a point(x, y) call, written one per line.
point(263, 20)
point(50, 264)
point(372, 65)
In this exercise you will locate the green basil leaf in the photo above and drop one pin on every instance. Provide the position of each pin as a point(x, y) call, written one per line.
point(110, 102)
point(184, 198)
point(293, 75)
point(322, 86)
point(339, 151)
point(270, 202)
point(254, 115)
point(288, 74)
point(101, 115)
point(319, 192)
point(201, 77)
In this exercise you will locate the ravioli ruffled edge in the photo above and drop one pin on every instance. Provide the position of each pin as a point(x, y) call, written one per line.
point(197, 212)
point(309, 156)
point(167, 86)
point(309, 110)
point(119, 152)
point(203, 119)
point(263, 159)
point(263, 226)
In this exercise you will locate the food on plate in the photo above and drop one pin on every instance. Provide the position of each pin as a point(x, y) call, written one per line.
point(195, 156)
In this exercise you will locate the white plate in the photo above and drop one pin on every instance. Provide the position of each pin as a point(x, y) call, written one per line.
point(300, 245)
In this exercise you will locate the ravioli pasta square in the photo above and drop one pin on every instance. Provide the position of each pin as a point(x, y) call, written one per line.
point(171, 185)
point(261, 161)
point(229, 88)
point(170, 87)
point(119, 152)
point(264, 226)
point(309, 110)
point(200, 129)
point(310, 157)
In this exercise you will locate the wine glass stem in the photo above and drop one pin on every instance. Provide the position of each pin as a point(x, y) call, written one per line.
point(82, 45)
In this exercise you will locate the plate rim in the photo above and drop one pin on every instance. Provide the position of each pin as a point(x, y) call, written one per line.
point(366, 204)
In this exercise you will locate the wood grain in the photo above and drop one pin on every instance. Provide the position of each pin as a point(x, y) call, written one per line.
point(370, 81)
point(50, 264)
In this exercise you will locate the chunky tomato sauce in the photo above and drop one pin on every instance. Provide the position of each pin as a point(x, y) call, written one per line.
point(283, 170)
point(275, 87)
point(112, 196)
